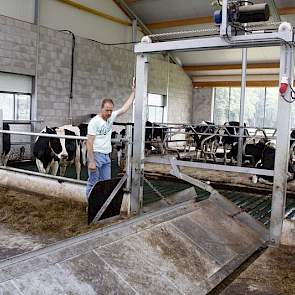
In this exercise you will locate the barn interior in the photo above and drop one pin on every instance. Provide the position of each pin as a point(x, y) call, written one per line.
point(202, 192)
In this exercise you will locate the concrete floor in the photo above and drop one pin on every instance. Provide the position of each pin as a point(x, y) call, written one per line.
point(180, 250)
point(272, 273)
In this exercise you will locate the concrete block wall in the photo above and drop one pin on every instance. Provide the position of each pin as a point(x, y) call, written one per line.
point(17, 46)
point(179, 96)
point(202, 105)
point(53, 79)
point(99, 71)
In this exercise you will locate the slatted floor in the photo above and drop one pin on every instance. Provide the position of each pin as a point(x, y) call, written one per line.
point(257, 206)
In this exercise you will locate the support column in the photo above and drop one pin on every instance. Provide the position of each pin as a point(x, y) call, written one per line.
point(242, 105)
point(282, 147)
point(128, 157)
point(1, 135)
point(139, 132)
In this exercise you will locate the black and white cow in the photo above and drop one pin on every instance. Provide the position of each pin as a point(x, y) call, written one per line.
point(203, 137)
point(83, 127)
point(46, 151)
point(70, 149)
point(267, 162)
point(155, 137)
point(6, 145)
point(50, 153)
point(230, 139)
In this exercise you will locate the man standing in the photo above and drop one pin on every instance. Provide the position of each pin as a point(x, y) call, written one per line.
point(99, 140)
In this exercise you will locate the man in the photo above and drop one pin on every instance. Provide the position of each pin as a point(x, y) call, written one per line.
point(99, 140)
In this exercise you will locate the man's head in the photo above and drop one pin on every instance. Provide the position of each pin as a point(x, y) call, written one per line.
point(107, 106)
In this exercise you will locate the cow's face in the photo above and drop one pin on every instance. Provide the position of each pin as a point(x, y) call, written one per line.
point(62, 155)
point(54, 143)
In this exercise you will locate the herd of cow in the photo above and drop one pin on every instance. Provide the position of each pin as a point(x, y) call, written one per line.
point(205, 139)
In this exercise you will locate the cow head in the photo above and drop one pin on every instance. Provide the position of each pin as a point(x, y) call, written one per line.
point(68, 151)
point(54, 143)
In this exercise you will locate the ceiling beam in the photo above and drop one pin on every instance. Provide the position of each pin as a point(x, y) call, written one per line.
point(180, 22)
point(212, 84)
point(202, 20)
point(286, 10)
point(95, 12)
point(224, 67)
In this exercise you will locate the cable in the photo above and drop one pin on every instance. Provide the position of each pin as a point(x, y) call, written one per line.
point(114, 44)
point(72, 60)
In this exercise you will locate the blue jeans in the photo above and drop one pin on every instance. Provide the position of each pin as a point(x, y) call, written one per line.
point(102, 172)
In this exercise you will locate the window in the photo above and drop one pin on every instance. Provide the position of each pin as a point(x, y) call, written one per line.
point(156, 107)
point(260, 106)
point(15, 106)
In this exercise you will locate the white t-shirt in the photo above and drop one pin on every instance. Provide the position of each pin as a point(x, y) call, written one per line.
point(102, 130)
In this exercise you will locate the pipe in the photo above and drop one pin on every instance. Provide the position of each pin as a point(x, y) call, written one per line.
point(42, 186)
point(72, 73)
point(113, 140)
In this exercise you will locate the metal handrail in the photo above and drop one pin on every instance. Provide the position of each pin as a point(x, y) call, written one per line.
point(55, 135)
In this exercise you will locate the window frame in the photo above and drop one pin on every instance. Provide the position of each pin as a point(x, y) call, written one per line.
point(157, 106)
point(14, 104)
point(229, 89)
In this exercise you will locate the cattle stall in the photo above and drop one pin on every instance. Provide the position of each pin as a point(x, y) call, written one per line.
point(149, 45)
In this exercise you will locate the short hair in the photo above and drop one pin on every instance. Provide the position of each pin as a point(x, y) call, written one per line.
point(106, 100)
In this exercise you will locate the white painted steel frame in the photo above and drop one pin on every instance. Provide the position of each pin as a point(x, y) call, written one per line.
point(282, 147)
point(1, 135)
point(211, 43)
point(216, 167)
point(284, 37)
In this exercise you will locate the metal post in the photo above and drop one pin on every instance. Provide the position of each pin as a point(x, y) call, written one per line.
point(242, 105)
point(128, 157)
point(224, 30)
point(282, 147)
point(1, 136)
point(139, 132)
point(35, 78)
point(134, 39)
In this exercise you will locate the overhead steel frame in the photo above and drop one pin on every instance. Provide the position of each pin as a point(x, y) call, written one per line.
point(283, 38)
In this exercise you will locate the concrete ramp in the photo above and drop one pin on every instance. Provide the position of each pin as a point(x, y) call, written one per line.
point(186, 249)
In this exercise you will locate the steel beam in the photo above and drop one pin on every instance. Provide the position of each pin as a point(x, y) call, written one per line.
point(139, 133)
point(128, 157)
point(282, 147)
point(1, 136)
point(166, 161)
point(242, 105)
point(211, 43)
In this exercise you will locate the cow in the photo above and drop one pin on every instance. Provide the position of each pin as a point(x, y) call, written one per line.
point(83, 147)
point(229, 139)
point(267, 162)
point(203, 137)
point(70, 149)
point(50, 153)
point(155, 137)
point(6, 145)
point(46, 151)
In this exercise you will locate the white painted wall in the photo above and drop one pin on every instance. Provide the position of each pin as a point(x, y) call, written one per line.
point(20, 9)
point(60, 16)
